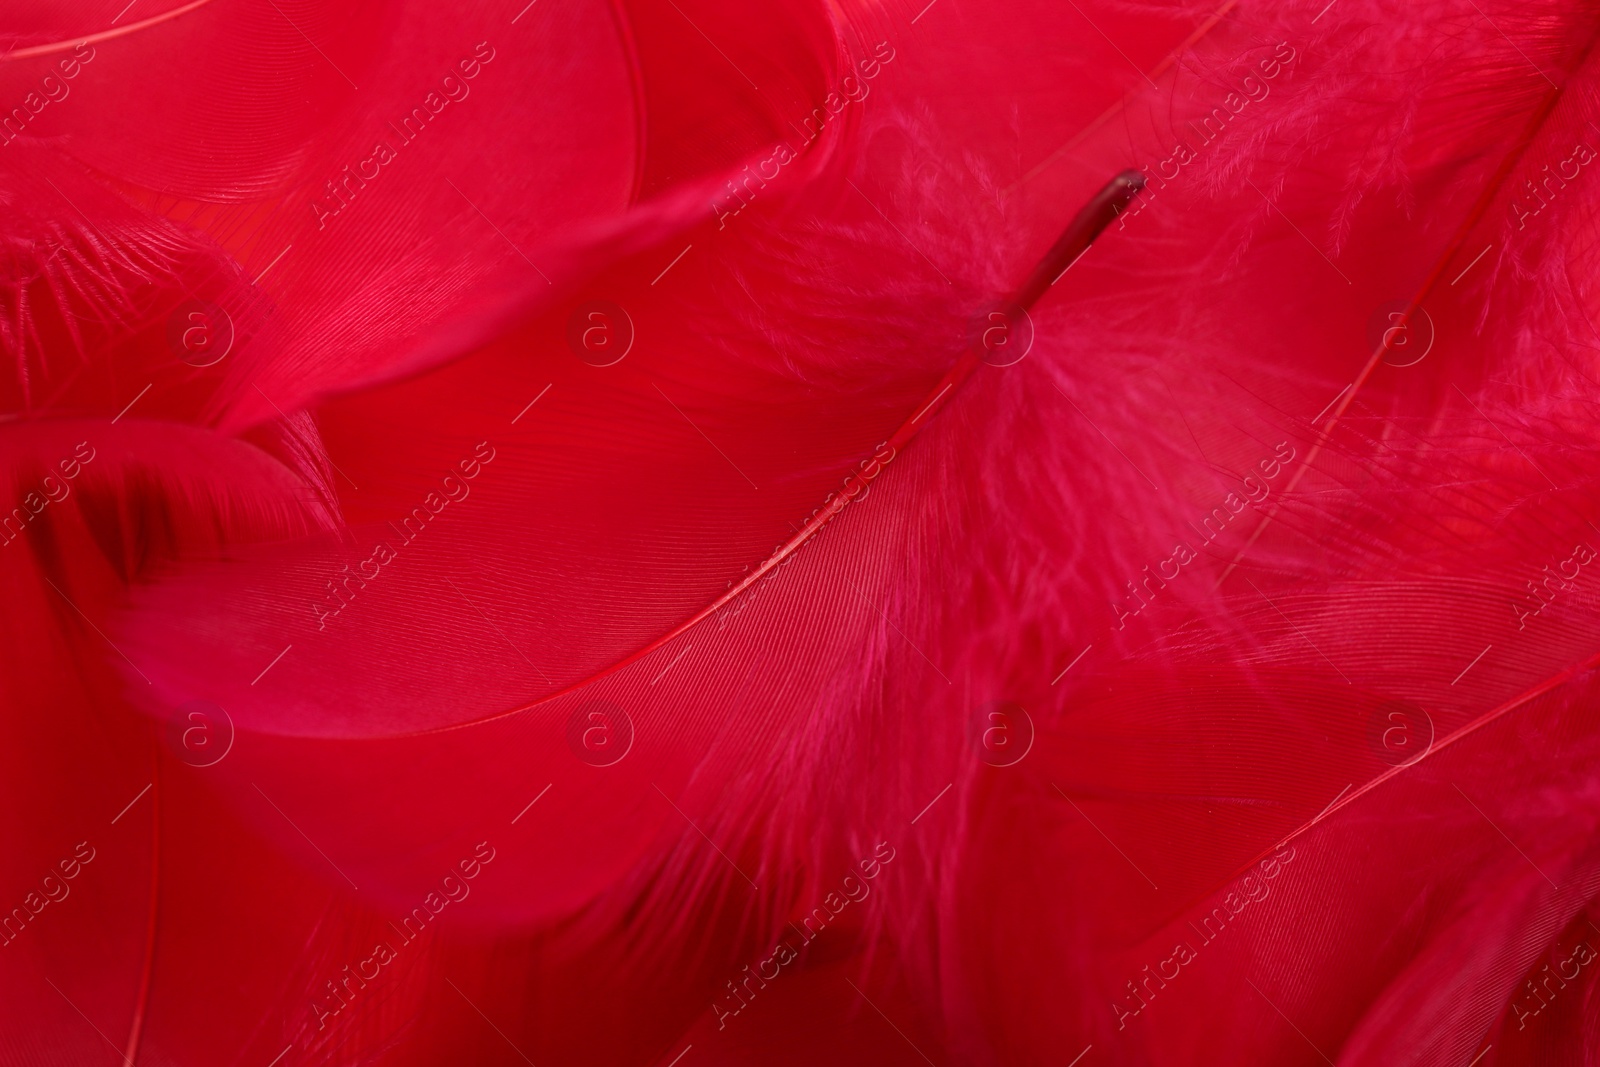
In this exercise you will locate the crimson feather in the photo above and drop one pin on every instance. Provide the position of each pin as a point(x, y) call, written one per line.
point(687, 551)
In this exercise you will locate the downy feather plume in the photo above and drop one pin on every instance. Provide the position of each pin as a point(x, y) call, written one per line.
point(678, 533)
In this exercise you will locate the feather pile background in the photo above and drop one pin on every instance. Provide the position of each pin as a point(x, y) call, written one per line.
point(644, 532)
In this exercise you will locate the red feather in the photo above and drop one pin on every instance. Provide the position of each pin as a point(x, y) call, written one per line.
point(647, 533)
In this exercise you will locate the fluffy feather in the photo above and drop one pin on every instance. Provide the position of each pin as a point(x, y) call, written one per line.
point(1208, 533)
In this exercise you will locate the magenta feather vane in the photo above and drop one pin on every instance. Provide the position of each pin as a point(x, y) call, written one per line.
point(694, 534)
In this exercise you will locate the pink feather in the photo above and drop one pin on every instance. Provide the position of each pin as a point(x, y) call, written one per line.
point(620, 596)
